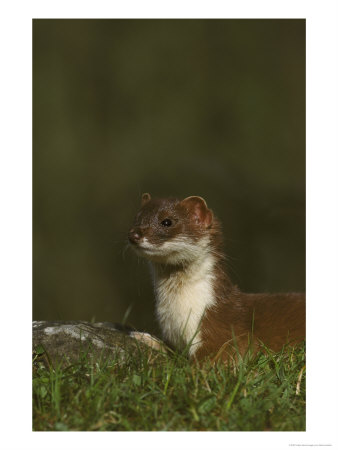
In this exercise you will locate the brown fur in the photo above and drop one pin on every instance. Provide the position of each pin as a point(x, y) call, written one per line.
point(240, 320)
point(245, 320)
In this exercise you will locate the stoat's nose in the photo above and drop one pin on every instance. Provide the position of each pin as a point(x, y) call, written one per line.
point(134, 236)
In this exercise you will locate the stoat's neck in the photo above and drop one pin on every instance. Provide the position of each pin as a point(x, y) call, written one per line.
point(183, 293)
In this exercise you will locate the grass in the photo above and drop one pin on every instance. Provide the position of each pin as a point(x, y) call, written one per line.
point(263, 393)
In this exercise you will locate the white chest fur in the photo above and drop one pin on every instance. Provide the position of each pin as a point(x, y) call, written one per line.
point(181, 300)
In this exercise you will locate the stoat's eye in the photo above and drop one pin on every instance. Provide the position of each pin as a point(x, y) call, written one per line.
point(166, 223)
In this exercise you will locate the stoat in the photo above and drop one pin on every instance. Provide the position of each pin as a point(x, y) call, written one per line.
point(197, 306)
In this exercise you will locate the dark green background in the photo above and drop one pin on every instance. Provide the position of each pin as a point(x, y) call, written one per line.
point(172, 107)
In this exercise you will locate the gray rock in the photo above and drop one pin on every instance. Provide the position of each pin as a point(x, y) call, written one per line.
point(66, 342)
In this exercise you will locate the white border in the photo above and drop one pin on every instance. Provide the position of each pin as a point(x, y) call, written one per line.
point(16, 202)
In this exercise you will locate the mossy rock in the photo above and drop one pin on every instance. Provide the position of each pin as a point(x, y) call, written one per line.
point(65, 343)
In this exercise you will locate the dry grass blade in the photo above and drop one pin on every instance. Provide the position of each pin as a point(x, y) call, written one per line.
point(299, 380)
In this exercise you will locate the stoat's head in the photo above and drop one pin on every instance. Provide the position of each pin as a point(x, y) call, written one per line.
point(171, 231)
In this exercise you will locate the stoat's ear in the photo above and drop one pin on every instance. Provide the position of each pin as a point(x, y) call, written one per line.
point(200, 213)
point(145, 199)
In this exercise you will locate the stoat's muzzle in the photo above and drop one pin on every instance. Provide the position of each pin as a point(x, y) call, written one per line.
point(135, 236)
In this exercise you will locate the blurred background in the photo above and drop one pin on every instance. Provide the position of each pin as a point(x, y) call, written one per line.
point(214, 108)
